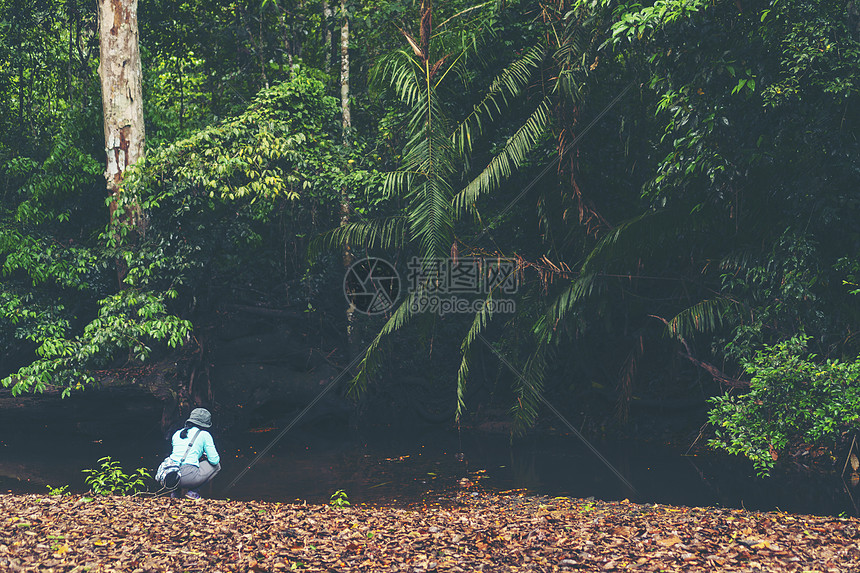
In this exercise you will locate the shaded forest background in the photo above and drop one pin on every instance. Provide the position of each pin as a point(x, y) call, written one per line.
point(677, 183)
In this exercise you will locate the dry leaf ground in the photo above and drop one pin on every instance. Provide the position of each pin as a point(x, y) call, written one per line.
point(473, 532)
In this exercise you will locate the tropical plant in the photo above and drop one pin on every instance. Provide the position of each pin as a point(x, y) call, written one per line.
point(700, 261)
point(339, 499)
point(793, 398)
point(109, 479)
point(210, 200)
point(58, 491)
point(436, 150)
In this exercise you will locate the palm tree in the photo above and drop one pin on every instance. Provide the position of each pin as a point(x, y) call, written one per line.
point(433, 156)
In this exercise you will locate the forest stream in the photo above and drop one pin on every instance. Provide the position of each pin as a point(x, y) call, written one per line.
point(422, 466)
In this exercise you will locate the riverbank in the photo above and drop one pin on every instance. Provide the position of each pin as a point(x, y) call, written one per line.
point(470, 532)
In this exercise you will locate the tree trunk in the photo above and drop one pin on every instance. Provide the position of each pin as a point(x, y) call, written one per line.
point(258, 50)
point(326, 21)
point(71, 10)
point(181, 95)
point(122, 97)
point(21, 96)
point(344, 72)
point(345, 206)
point(289, 44)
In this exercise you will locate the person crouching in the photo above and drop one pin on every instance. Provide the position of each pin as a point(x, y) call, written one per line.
point(201, 461)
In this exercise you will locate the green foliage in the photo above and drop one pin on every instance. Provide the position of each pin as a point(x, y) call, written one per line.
point(637, 22)
point(818, 52)
point(779, 288)
point(58, 491)
point(225, 199)
point(278, 147)
point(51, 264)
point(429, 163)
point(339, 499)
point(177, 104)
point(678, 171)
point(210, 200)
point(128, 320)
point(851, 269)
point(212, 191)
point(792, 398)
point(434, 179)
point(109, 479)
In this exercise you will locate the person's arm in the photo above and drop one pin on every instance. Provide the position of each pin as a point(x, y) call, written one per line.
point(209, 449)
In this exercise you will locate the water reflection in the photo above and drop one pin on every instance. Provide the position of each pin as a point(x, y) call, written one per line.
point(396, 467)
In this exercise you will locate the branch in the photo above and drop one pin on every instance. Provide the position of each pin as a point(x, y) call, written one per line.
point(717, 374)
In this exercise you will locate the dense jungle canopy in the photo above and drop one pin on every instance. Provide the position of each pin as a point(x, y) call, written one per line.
point(677, 184)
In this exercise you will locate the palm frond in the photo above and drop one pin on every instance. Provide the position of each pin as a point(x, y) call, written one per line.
point(528, 389)
point(428, 154)
point(397, 183)
point(430, 219)
point(384, 234)
point(506, 86)
point(578, 290)
point(574, 41)
point(741, 262)
point(704, 316)
point(370, 363)
point(479, 323)
point(572, 84)
point(507, 160)
point(398, 72)
point(625, 242)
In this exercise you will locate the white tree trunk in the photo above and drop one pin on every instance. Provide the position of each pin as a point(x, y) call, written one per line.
point(345, 206)
point(344, 72)
point(327, 12)
point(122, 93)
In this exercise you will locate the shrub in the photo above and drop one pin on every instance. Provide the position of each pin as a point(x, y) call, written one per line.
point(791, 399)
point(109, 479)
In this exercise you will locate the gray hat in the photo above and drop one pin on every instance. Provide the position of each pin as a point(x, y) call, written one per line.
point(201, 417)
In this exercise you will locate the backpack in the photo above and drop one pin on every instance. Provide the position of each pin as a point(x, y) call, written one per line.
point(168, 473)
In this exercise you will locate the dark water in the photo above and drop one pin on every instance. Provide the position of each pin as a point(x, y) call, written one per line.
point(408, 467)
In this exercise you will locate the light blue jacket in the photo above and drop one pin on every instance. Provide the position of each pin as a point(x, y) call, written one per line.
point(203, 444)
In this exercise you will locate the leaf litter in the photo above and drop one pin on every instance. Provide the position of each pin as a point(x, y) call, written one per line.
point(470, 532)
